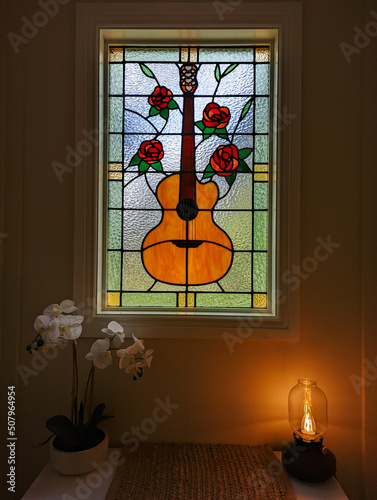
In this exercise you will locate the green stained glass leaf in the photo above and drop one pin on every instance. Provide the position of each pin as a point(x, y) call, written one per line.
point(164, 113)
point(208, 172)
point(230, 179)
point(135, 160)
point(221, 132)
point(143, 167)
point(207, 132)
point(172, 105)
point(153, 111)
point(147, 72)
point(157, 166)
point(243, 167)
point(217, 73)
point(200, 125)
point(244, 153)
point(229, 69)
point(246, 108)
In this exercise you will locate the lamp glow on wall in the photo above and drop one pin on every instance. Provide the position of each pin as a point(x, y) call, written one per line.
point(307, 458)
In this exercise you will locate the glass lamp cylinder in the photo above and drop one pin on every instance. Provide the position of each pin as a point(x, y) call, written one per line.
point(307, 407)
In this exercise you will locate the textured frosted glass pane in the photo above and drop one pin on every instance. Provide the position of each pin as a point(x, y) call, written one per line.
point(138, 195)
point(135, 82)
point(115, 230)
point(115, 194)
point(240, 196)
point(168, 78)
point(181, 300)
point(262, 54)
point(134, 275)
point(136, 224)
point(116, 79)
point(260, 272)
point(113, 270)
point(151, 54)
point(113, 299)
point(239, 81)
point(226, 55)
point(164, 287)
point(115, 147)
point(260, 230)
point(223, 300)
point(116, 54)
point(134, 123)
point(149, 299)
point(115, 114)
point(260, 300)
point(261, 148)
point(238, 227)
point(212, 287)
point(238, 278)
point(261, 195)
point(262, 79)
point(262, 118)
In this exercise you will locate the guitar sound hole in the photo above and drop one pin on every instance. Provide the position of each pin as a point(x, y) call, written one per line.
point(187, 209)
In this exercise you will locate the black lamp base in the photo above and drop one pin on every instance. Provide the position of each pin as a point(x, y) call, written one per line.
point(310, 462)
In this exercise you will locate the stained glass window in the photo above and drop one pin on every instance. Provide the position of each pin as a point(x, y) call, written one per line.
point(188, 178)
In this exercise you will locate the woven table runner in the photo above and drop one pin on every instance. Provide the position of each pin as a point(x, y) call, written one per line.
point(173, 471)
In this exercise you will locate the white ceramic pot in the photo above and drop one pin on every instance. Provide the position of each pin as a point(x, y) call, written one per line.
point(73, 463)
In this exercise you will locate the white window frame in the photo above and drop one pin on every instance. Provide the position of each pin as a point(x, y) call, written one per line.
point(97, 24)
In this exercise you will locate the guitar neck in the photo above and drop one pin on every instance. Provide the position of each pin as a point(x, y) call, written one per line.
point(188, 177)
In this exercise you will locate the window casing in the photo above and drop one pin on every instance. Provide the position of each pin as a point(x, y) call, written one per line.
point(276, 320)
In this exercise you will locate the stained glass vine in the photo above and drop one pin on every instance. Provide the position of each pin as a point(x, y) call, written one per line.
point(188, 177)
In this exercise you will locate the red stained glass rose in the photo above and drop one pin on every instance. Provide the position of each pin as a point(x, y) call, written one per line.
point(225, 160)
point(216, 117)
point(151, 151)
point(160, 98)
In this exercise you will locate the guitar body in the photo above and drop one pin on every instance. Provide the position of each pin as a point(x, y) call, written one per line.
point(193, 252)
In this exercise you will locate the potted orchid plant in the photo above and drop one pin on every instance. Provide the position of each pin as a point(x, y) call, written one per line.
point(56, 326)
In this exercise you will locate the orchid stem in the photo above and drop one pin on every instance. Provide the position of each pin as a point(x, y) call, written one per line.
point(91, 390)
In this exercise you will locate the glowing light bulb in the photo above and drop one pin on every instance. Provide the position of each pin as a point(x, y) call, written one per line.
point(308, 425)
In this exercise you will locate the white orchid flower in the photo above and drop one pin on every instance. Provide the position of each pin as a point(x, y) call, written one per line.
point(51, 335)
point(70, 326)
point(66, 306)
point(41, 323)
point(100, 353)
point(115, 331)
point(137, 346)
point(132, 364)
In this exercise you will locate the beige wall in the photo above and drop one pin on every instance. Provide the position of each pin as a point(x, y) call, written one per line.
point(222, 397)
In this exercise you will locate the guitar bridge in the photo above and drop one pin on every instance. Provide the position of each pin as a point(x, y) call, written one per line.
point(187, 243)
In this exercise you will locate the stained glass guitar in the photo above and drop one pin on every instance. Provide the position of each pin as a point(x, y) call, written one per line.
point(187, 247)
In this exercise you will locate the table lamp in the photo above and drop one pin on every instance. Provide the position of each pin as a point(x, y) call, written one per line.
point(307, 459)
